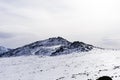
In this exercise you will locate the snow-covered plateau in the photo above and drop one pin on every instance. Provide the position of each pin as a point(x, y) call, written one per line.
point(76, 66)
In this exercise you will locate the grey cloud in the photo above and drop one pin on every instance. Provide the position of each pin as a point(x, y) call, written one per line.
point(6, 35)
point(111, 43)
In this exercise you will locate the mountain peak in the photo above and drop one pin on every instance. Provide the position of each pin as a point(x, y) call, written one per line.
point(60, 38)
point(49, 47)
point(54, 41)
point(57, 38)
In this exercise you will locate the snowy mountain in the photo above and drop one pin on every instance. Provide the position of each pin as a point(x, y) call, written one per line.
point(3, 49)
point(86, 66)
point(49, 47)
point(86, 62)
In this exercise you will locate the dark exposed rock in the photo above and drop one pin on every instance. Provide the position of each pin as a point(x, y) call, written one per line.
point(73, 47)
point(105, 78)
point(76, 44)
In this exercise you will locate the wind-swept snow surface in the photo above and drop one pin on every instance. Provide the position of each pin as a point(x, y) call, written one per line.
point(78, 66)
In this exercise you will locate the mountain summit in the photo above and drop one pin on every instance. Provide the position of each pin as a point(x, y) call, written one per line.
point(49, 47)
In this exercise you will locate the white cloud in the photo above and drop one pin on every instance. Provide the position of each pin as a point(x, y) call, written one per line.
point(86, 20)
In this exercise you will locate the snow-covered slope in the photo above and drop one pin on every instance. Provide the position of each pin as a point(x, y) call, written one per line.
point(43, 47)
point(3, 49)
point(49, 47)
point(86, 66)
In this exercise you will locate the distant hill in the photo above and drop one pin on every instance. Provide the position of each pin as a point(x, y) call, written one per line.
point(49, 47)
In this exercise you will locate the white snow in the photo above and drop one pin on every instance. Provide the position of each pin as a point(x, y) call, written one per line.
point(3, 49)
point(54, 47)
point(77, 66)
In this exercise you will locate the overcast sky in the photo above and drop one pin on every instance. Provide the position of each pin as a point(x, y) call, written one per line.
point(92, 21)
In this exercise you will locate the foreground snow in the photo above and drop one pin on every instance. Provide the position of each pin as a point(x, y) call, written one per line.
point(78, 66)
